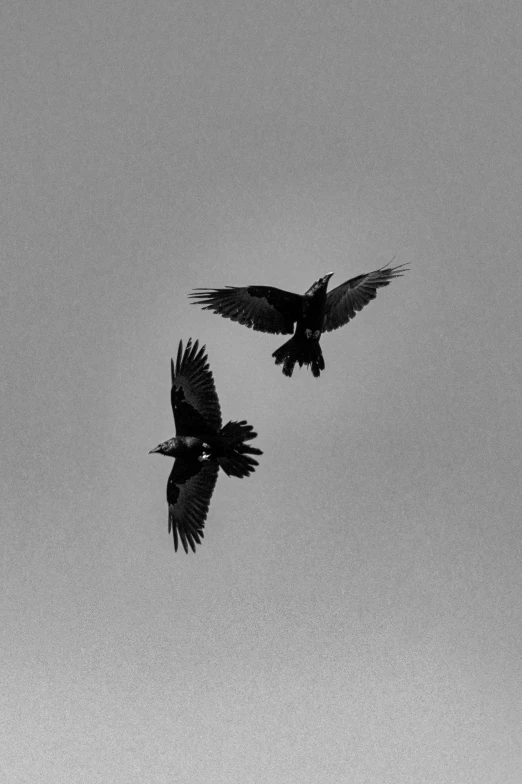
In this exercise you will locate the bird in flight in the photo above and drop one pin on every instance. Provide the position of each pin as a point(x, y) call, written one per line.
point(267, 309)
point(200, 447)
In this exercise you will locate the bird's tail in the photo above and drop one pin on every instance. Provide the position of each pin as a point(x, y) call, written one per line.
point(305, 351)
point(236, 460)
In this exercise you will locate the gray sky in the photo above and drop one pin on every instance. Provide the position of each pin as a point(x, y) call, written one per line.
point(354, 613)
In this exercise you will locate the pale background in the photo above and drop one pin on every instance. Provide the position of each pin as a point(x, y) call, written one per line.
point(355, 611)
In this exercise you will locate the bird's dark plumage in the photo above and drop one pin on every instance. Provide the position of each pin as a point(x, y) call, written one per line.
point(268, 309)
point(201, 446)
point(263, 308)
point(343, 302)
point(193, 395)
point(189, 490)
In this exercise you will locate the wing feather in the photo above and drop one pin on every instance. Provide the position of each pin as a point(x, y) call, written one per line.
point(189, 490)
point(343, 302)
point(193, 395)
point(263, 308)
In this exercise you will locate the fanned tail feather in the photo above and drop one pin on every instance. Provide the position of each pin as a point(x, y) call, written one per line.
point(306, 352)
point(237, 461)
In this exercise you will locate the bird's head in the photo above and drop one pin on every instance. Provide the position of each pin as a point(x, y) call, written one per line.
point(322, 283)
point(324, 280)
point(165, 448)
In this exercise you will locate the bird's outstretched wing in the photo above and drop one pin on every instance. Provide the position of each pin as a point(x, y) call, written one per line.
point(263, 308)
point(189, 490)
point(343, 302)
point(193, 395)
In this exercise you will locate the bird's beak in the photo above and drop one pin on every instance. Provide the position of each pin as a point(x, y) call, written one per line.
point(328, 276)
point(156, 449)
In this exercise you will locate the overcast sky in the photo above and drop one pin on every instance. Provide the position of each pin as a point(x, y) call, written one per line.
point(355, 611)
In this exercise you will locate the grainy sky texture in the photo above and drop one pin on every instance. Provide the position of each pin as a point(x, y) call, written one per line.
point(355, 612)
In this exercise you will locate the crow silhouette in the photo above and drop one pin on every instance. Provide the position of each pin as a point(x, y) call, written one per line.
point(267, 309)
point(201, 445)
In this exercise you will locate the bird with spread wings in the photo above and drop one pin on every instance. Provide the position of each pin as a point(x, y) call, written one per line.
point(308, 315)
point(200, 447)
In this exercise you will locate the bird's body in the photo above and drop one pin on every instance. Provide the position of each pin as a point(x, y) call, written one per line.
point(268, 309)
point(303, 347)
point(313, 304)
point(200, 447)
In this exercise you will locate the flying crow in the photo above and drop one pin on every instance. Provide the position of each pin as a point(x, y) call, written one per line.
point(268, 309)
point(201, 445)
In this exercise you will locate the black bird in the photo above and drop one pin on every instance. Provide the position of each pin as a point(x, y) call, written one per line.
point(268, 309)
point(201, 445)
